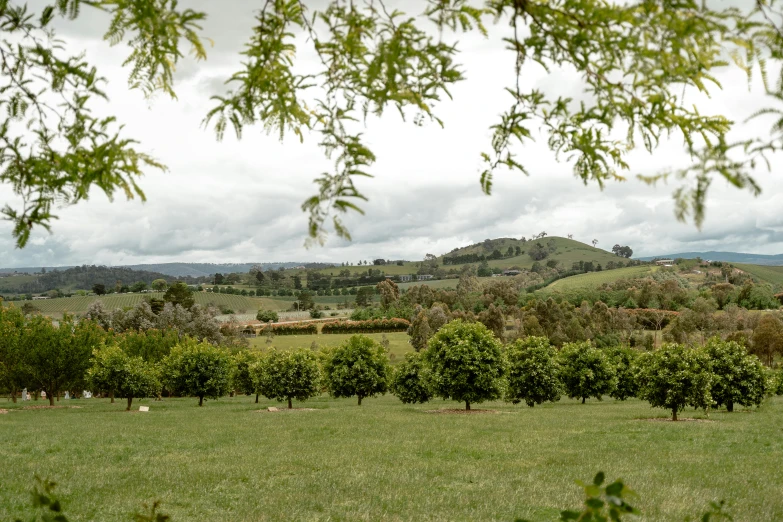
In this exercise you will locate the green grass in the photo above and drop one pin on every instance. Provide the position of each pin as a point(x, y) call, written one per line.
point(384, 460)
point(79, 304)
point(398, 342)
point(596, 279)
point(769, 274)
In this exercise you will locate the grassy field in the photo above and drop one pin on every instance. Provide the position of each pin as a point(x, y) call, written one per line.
point(596, 279)
point(228, 461)
point(769, 274)
point(398, 342)
point(79, 304)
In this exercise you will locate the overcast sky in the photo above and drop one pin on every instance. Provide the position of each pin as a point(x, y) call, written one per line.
point(240, 200)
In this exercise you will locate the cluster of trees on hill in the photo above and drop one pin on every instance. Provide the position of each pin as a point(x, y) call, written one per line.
point(116, 279)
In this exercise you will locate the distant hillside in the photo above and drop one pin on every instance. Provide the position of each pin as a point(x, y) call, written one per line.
point(515, 252)
point(78, 278)
point(206, 269)
point(729, 257)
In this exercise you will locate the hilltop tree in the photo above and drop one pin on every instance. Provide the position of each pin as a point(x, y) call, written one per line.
point(674, 377)
point(586, 371)
point(533, 372)
point(359, 367)
point(622, 251)
point(467, 363)
point(197, 369)
point(287, 375)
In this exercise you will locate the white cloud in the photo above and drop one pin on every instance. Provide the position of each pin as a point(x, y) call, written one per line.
point(239, 200)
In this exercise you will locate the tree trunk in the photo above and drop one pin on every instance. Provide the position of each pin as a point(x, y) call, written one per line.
point(256, 398)
point(583, 399)
point(130, 400)
point(674, 414)
point(201, 401)
point(51, 398)
point(360, 400)
point(111, 395)
point(58, 396)
point(290, 406)
point(13, 396)
point(467, 405)
point(730, 406)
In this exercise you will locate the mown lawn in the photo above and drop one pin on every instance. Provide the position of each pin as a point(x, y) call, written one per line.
point(398, 342)
point(384, 460)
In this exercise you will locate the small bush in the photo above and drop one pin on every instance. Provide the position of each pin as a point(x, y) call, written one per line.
point(267, 315)
point(410, 381)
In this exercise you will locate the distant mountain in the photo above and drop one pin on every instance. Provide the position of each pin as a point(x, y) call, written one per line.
point(730, 257)
point(206, 269)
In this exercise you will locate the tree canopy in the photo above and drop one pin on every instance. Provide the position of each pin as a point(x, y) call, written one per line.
point(640, 63)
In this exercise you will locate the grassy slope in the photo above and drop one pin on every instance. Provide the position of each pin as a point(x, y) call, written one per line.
point(596, 279)
point(769, 274)
point(385, 460)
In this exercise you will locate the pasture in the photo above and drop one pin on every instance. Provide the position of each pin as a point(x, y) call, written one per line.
point(398, 342)
point(767, 274)
point(79, 304)
point(596, 279)
point(228, 461)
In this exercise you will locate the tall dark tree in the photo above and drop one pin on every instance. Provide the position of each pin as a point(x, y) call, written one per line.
point(180, 294)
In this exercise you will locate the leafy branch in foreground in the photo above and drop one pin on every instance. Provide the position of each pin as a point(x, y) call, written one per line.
point(53, 149)
point(641, 66)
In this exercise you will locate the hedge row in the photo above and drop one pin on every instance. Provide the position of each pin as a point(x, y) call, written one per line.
point(290, 329)
point(370, 326)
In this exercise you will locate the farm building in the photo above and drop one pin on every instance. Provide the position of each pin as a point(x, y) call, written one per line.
point(424, 277)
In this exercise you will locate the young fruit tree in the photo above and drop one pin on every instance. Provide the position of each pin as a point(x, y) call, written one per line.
point(57, 357)
point(622, 359)
point(358, 367)
point(13, 371)
point(287, 375)
point(466, 363)
point(197, 370)
point(107, 366)
point(738, 377)
point(241, 376)
point(586, 371)
point(674, 377)
point(410, 381)
point(137, 378)
point(533, 372)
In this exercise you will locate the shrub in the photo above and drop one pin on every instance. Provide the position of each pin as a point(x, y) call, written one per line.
point(267, 315)
point(316, 314)
point(738, 377)
point(358, 367)
point(467, 363)
point(197, 369)
point(533, 372)
point(371, 326)
point(586, 371)
point(126, 376)
point(241, 376)
point(622, 359)
point(287, 375)
point(410, 381)
point(673, 377)
point(290, 329)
